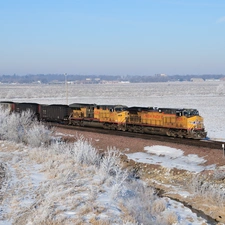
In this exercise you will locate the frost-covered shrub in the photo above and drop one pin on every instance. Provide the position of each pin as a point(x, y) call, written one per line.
point(110, 171)
point(84, 153)
point(21, 127)
point(4, 113)
point(58, 147)
point(195, 183)
point(167, 218)
point(201, 187)
point(110, 161)
point(139, 204)
point(117, 183)
point(18, 125)
point(38, 135)
point(158, 206)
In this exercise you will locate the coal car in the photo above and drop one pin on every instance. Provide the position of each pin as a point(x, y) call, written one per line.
point(55, 113)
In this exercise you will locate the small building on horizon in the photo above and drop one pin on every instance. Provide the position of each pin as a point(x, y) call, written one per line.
point(197, 80)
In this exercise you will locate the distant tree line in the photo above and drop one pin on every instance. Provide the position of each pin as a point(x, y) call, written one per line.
point(50, 78)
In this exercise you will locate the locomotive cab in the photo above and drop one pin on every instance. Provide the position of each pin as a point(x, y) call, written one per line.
point(112, 116)
point(183, 123)
point(82, 110)
point(193, 123)
point(81, 113)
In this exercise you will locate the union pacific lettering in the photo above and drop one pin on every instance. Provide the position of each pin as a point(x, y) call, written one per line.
point(149, 116)
point(181, 118)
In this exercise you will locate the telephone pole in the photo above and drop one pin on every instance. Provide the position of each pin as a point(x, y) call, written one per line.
point(66, 88)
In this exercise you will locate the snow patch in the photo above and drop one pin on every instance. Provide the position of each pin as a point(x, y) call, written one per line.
point(170, 158)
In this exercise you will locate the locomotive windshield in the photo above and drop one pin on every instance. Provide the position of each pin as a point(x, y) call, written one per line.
point(120, 108)
point(190, 112)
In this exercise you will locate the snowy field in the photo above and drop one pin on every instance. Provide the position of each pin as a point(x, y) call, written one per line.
point(207, 97)
point(42, 187)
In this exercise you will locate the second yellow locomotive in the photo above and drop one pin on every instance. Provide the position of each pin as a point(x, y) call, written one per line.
point(184, 123)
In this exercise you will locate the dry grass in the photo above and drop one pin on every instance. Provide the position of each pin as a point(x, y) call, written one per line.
point(158, 206)
point(210, 192)
point(219, 174)
point(171, 218)
point(52, 222)
point(126, 213)
point(85, 209)
point(96, 221)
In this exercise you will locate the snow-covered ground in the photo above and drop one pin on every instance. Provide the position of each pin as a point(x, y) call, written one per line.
point(40, 184)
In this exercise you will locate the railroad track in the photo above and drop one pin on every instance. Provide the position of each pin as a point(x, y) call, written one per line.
point(183, 141)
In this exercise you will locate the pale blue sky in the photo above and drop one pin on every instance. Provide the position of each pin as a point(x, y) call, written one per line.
point(115, 37)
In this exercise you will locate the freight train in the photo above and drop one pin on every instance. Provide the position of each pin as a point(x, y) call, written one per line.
point(174, 122)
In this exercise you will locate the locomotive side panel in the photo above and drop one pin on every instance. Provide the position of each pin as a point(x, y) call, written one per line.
point(111, 113)
point(152, 118)
point(166, 121)
point(112, 116)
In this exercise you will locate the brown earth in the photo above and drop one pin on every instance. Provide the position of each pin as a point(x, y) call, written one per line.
point(168, 181)
point(131, 145)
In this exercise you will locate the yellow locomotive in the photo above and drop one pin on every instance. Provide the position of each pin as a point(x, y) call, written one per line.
point(113, 117)
point(183, 123)
point(166, 121)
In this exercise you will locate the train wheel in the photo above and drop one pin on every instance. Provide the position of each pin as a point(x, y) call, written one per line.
point(123, 128)
point(172, 133)
point(113, 127)
point(131, 128)
point(168, 133)
point(140, 130)
point(74, 123)
point(180, 134)
point(106, 126)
